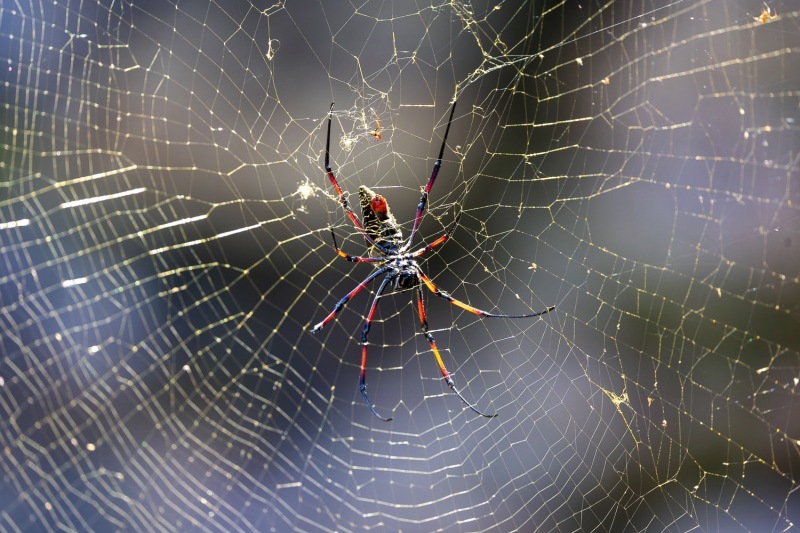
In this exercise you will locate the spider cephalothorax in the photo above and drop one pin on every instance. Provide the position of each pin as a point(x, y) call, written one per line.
point(396, 264)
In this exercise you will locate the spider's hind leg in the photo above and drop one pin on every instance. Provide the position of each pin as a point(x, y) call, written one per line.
point(474, 310)
point(362, 384)
point(445, 374)
point(454, 389)
point(347, 297)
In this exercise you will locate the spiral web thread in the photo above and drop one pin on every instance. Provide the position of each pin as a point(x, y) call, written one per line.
point(165, 248)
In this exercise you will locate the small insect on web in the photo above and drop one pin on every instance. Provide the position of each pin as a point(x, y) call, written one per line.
point(397, 265)
point(766, 15)
point(377, 131)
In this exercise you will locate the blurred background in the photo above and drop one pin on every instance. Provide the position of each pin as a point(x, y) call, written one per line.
point(164, 220)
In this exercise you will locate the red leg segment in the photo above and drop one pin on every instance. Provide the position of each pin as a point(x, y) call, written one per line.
point(347, 297)
point(437, 242)
point(354, 258)
point(340, 193)
point(362, 385)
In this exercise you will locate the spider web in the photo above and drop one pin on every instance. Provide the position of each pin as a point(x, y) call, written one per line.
point(164, 230)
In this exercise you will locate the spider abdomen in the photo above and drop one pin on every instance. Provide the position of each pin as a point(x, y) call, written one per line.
point(379, 222)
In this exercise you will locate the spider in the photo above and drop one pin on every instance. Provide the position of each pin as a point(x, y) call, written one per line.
point(398, 266)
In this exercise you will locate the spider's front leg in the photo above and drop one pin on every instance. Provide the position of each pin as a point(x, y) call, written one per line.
point(340, 193)
point(426, 191)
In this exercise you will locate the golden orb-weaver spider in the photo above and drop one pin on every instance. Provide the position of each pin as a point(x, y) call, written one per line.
point(398, 266)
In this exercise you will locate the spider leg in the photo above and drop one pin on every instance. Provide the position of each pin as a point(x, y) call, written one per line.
point(445, 374)
point(340, 193)
point(437, 242)
point(436, 166)
point(354, 258)
point(347, 297)
point(362, 384)
point(458, 303)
